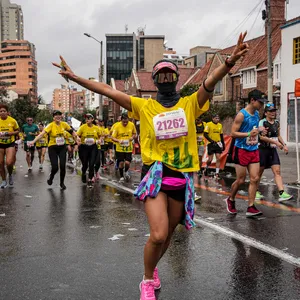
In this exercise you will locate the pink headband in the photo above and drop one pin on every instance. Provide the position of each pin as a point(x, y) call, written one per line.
point(162, 65)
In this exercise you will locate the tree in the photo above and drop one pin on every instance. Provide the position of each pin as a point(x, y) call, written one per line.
point(43, 115)
point(41, 99)
point(3, 90)
point(20, 109)
point(189, 89)
point(223, 109)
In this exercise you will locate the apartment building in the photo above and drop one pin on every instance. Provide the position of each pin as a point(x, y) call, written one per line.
point(18, 67)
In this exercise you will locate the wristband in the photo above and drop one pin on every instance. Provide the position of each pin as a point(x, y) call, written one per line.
point(249, 133)
point(205, 88)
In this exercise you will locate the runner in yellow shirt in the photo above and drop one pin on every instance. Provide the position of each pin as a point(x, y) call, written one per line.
point(9, 128)
point(200, 126)
point(169, 151)
point(57, 149)
point(123, 134)
point(88, 137)
point(41, 146)
point(214, 134)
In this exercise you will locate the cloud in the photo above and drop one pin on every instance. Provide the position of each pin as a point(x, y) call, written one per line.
point(57, 27)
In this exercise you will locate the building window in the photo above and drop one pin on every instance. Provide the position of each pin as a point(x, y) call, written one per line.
point(296, 54)
point(277, 73)
point(219, 88)
point(249, 78)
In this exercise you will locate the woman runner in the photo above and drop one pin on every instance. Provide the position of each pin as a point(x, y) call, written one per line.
point(42, 146)
point(57, 149)
point(9, 128)
point(169, 151)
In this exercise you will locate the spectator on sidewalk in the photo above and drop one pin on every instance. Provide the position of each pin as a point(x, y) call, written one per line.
point(268, 151)
point(213, 132)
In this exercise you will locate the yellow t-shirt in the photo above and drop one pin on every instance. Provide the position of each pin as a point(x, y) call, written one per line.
point(43, 142)
point(177, 153)
point(89, 135)
point(69, 138)
point(124, 134)
point(200, 136)
point(112, 129)
point(107, 139)
point(56, 133)
point(214, 131)
point(8, 125)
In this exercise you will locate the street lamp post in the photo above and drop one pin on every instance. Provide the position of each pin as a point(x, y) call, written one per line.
point(100, 74)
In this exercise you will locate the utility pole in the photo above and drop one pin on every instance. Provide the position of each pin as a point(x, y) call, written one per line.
point(270, 63)
point(100, 80)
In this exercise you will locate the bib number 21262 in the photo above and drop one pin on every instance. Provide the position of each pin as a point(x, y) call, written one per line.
point(170, 125)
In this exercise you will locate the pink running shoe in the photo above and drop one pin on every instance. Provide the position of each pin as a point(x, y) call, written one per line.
point(97, 176)
point(156, 279)
point(147, 290)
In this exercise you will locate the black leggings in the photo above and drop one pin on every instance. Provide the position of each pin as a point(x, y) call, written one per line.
point(56, 152)
point(100, 159)
point(87, 155)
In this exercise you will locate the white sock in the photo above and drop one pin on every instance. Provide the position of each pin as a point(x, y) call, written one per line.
point(217, 170)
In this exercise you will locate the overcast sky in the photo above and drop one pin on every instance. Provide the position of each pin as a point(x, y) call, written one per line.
point(57, 27)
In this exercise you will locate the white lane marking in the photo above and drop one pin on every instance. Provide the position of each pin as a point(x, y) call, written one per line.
point(250, 241)
point(290, 258)
point(243, 238)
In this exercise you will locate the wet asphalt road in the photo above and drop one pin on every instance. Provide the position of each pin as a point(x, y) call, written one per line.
point(62, 244)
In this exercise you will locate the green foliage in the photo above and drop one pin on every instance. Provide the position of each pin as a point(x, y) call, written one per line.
point(41, 99)
point(43, 115)
point(20, 109)
point(189, 89)
point(223, 109)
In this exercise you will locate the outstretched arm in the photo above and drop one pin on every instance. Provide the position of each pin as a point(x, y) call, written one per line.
point(98, 87)
point(206, 89)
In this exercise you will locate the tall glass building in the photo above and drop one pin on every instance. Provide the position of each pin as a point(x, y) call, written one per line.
point(121, 56)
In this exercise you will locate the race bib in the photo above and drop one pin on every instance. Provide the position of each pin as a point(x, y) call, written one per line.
point(220, 145)
point(252, 140)
point(170, 125)
point(89, 141)
point(125, 143)
point(199, 138)
point(4, 136)
point(60, 141)
point(42, 141)
point(274, 139)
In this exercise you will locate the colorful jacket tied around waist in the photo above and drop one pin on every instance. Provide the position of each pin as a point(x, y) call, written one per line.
point(151, 185)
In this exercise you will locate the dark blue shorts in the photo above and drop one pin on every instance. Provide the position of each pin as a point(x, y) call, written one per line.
point(268, 157)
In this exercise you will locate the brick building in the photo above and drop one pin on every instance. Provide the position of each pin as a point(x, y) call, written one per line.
point(18, 67)
point(251, 72)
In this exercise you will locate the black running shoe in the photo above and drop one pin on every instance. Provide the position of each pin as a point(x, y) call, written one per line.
point(62, 186)
point(83, 178)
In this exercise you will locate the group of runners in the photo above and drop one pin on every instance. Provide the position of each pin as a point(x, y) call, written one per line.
point(93, 143)
point(171, 145)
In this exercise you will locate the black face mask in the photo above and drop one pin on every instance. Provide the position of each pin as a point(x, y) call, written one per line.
point(167, 95)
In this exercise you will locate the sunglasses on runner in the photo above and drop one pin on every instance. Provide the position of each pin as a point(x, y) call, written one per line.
point(165, 77)
point(270, 105)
